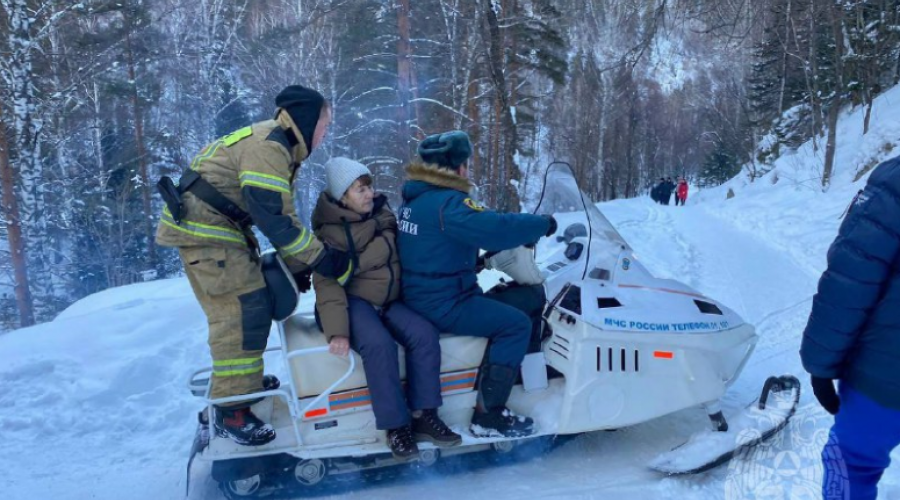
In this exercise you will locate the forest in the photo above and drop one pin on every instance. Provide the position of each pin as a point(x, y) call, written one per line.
point(99, 98)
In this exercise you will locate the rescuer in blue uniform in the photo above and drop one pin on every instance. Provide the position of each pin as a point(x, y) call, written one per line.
point(442, 230)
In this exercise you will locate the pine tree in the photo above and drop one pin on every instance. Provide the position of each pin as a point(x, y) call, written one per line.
point(766, 80)
point(720, 165)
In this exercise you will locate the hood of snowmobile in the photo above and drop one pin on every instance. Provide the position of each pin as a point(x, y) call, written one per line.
point(620, 294)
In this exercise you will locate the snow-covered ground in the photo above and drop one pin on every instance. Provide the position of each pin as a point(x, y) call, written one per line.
point(93, 404)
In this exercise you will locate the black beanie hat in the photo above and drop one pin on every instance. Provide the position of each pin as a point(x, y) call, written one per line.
point(448, 150)
point(304, 106)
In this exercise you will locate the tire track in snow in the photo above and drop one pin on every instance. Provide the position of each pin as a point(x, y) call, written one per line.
point(654, 241)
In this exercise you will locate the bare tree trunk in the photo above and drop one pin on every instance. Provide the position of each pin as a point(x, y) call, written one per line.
point(868, 118)
point(27, 128)
point(629, 142)
point(408, 110)
point(597, 172)
point(508, 197)
point(452, 12)
point(474, 115)
point(494, 165)
point(97, 139)
point(24, 301)
point(141, 154)
point(814, 94)
point(837, 29)
point(866, 70)
point(784, 59)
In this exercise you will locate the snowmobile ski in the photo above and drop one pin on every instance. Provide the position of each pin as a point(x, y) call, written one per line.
point(763, 419)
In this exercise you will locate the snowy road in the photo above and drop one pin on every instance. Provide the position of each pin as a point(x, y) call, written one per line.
point(93, 404)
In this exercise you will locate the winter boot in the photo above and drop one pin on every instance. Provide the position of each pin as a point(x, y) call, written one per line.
point(429, 427)
point(402, 444)
point(501, 422)
point(243, 427)
point(492, 418)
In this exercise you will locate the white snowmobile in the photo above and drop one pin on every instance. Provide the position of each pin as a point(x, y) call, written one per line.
point(621, 347)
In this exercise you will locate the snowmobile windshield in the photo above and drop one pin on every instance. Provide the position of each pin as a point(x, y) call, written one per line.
point(580, 222)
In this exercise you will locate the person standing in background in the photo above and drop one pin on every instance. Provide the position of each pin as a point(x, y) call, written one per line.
point(681, 193)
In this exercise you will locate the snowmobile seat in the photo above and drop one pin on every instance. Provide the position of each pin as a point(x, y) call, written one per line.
point(313, 374)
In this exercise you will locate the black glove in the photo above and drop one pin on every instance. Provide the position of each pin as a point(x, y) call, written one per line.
point(823, 388)
point(553, 225)
point(303, 281)
point(335, 264)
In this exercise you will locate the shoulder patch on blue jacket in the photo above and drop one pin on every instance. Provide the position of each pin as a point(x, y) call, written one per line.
point(474, 205)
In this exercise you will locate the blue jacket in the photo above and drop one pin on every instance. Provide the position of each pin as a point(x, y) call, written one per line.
point(853, 332)
point(441, 230)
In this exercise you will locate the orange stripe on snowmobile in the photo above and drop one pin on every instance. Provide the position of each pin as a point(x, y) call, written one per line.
point(344, 396)
point(456, 387)
point(460, 376)
point(663, 354)
point(361, 397)
point(353, 404)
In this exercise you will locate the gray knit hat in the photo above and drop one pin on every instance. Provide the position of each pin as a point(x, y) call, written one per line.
point(340, 173)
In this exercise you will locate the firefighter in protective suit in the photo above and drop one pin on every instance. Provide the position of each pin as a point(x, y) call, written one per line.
point(239, 181)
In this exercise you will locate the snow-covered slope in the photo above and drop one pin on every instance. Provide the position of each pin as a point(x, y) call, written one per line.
point(787, 206)
point(93, 404)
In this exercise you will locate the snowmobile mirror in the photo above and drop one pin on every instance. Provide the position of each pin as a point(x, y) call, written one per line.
point(573, 251)
point(572, 232)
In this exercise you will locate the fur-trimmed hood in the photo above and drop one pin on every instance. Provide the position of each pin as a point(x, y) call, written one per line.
point(430, 173)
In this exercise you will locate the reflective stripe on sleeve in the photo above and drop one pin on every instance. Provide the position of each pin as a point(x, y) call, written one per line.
point(346, 276)
point(203, 230)
point(265, 181)
point(300, 244)
point(211, 150)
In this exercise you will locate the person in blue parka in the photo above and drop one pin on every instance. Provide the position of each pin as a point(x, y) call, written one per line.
point(441, 230)
point(853, 336)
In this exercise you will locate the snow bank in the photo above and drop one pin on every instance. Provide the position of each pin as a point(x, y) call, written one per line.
point(97, 392)
point(788, 207)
